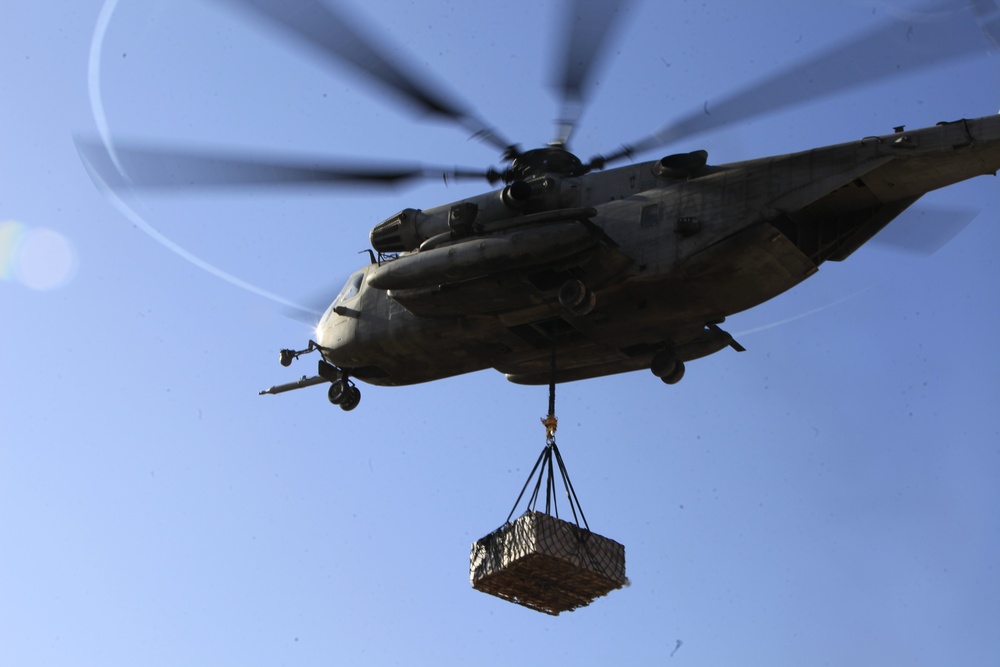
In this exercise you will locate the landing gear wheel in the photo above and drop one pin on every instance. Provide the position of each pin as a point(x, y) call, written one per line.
point(663, 364)
point(572, 293)
point(577, 297)
point(338, 392)
point(676, 376)
point(344, 394)
point(286, 357)
point(667, 367)
point(588, 305)
point(351, 400)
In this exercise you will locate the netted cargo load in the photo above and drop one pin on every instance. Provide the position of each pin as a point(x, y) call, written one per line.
point(547, 564)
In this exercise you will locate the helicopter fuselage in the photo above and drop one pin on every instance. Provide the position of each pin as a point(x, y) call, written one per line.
point(629, 268)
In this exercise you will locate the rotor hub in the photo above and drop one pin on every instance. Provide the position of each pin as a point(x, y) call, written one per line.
point(541, 161)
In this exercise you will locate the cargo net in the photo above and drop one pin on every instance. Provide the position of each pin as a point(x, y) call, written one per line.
point(542, 562)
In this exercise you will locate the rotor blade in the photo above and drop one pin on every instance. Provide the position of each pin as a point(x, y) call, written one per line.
point(587, 27)
point(312, 308)
point(148, 167)
point(925, 230)
point(942, 32)
point(330, 32)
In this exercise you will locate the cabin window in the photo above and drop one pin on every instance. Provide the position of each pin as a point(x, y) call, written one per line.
point(351, 289)
point(650, 216)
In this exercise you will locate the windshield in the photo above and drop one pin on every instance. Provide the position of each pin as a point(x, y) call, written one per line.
point(351, 289)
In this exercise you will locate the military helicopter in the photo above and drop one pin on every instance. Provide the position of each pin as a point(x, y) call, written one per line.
point(570, 269)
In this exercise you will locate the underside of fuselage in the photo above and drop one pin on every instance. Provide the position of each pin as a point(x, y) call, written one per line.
point(521, 320)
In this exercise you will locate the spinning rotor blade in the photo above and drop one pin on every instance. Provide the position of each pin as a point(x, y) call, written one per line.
point(331, 33)
point(942, 32)
point(150, 168)
point(925, 230)
point(587, 27)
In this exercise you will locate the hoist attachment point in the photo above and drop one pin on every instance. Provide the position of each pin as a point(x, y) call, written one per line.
point(551, 424)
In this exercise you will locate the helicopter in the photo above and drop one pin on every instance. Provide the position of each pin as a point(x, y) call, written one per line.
point(572, 269)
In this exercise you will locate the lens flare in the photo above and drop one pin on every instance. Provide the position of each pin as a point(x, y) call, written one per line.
point(38, 258)
point(10, 238)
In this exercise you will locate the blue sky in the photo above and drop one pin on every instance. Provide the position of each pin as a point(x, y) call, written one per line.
point(828, 497)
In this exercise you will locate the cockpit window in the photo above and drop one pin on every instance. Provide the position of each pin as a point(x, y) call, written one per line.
point(351, 289)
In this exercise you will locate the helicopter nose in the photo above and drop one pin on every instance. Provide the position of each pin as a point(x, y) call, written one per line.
point(336, 330)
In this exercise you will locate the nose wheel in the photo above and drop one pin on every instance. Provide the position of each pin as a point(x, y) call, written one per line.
point(343, 393)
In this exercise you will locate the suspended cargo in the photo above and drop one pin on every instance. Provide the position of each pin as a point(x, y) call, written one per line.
point(547, 564)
